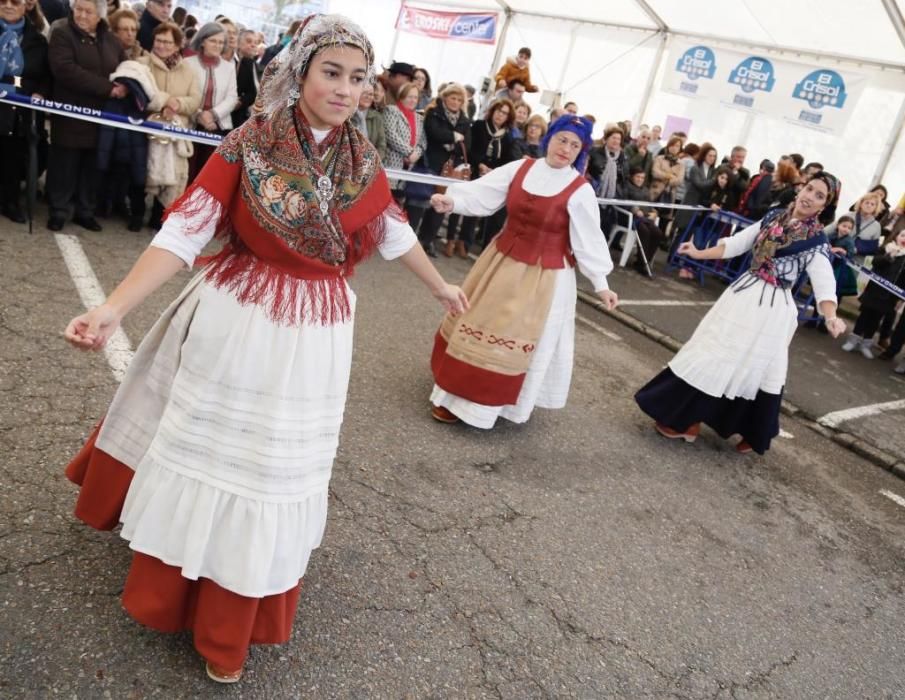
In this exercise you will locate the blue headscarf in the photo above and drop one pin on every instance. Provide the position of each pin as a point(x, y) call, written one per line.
point(579, 126)
point(12, 61)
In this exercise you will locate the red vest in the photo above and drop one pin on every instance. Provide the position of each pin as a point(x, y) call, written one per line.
point(537, 228)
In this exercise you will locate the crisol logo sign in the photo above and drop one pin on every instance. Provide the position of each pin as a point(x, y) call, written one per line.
point(754, 73)
point(697, 62)
point(821, 88)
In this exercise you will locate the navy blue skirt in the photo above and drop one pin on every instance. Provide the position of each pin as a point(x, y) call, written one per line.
point(676, 404)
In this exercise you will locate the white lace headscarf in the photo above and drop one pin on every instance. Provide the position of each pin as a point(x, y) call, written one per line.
point(280, 82)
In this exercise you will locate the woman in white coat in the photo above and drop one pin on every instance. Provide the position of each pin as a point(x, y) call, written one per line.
point(219, 94)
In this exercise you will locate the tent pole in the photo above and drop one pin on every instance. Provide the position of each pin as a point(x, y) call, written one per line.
point(565, 63)
point(500, 44)
point(649, 88)
point(890, 147)
point(396, 34)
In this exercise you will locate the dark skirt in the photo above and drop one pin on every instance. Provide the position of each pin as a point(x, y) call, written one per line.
point(676, 404)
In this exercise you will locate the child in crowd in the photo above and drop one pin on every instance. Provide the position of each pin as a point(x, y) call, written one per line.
point(649, 234)
point(720, 194)
point(516, 68)
point(876, 302)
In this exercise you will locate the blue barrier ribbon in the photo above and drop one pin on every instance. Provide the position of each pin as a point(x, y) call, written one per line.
point(875, 278)
point(9, 96)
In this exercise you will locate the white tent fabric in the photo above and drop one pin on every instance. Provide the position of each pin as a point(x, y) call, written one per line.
point(602, 56)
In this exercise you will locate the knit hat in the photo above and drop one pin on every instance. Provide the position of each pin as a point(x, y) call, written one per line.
point(579, 126)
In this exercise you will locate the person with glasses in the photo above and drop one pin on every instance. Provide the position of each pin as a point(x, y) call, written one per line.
point(180, 95)
point(156, 11)
point(23, 62)
point(219, 90)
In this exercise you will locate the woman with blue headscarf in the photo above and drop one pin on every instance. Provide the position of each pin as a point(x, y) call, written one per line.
point(512, 351)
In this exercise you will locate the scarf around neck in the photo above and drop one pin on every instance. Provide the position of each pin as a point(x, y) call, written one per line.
point(780, 234)
point(409, 115)
point(608, 179)
point(12, 60)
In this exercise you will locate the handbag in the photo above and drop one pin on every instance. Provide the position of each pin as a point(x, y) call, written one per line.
point(449, 169)
point(418, 191)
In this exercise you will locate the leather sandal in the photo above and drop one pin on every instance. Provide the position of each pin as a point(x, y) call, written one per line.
point(444, 415)
point(690, 434)
point(220, 675)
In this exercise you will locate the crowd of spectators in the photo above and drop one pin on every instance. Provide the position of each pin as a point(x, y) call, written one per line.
point(156, 61)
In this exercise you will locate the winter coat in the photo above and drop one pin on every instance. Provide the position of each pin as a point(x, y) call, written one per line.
point(634, 159)
point(665, 176)
point(81, 65)
point(35, 79)
point(226, 92)
point(738, 183)
point(123, 146)
point(399, 142)
point(246, 88)
point(180, 82)
point(146, 26)
point(846, 282)
point(597, 164)
point(480, 140)
point(756, 200)
point(377, 134)
point(441, 142)
point(700, 183)
point(889, 268)
point(511, 71)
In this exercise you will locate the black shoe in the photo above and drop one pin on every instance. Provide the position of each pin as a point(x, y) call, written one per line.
point(88, 222)
point(431, 250)
point(14, 213)
point(887, 355)
point(55, 224)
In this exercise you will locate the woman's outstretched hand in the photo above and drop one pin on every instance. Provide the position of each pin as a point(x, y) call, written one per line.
point(442, 203)
point(609, 298)
point(687, 248)
point(452, 298)
point(836, 327)
point(92, 329)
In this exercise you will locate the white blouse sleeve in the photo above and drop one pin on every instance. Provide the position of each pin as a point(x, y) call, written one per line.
point(823, 280)
point(399, 239)
point(172, 235)
point(741, 242)
point(487, 194)
point(587, 240)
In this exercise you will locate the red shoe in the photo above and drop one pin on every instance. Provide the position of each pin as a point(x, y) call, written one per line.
point(743, 448)
point(444, 415)
point(690, 435)
point(215, 673)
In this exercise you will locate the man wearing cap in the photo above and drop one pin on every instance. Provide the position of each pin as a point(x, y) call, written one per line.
point(756, 199)
point(398, 74)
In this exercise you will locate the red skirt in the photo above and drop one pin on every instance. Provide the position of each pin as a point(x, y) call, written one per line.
point(223, 624)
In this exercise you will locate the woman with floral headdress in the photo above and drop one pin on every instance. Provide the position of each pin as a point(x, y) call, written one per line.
point(216, 452)
point(513, 349)
point(731, 373)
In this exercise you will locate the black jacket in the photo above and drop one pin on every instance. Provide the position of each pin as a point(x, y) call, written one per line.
point(124, 146)
point(480, 140)
point(597, 164)
point(35, 79)
point(892, 269)
point(247, 89)
point(146, 27)
point(439, 133)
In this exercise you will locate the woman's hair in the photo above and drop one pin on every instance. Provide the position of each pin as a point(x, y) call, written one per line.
point(446, 90)
point(536, 120)
point(786, 173)
point(872, 195)
point(673, 140)
point(169, 28)
point(117, 6)
point(706, 147)
point(121, 14)
point(404, 90)
point(843, 219)
point(427, 79)
point(36, 17)
point(614, 130)
point(100, 6)
point(724, 170)
point(206, 32)
point(691, 149)
point(497, 105)
point(190, 21)
point(179, 16)
point(521, 103)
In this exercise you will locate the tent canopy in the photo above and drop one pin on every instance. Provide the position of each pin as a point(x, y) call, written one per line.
point(610, 57)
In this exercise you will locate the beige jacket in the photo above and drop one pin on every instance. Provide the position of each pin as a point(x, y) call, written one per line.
point(663, 176)
point(181, 83)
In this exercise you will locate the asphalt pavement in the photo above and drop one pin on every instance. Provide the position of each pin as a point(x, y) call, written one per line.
point(578, 555)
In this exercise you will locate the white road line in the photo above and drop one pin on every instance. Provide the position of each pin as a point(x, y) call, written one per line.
point(894, 497)
point(784, 434)
point(663, 302)
point(118, 349)
point(598, 328)
point(832, 420)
